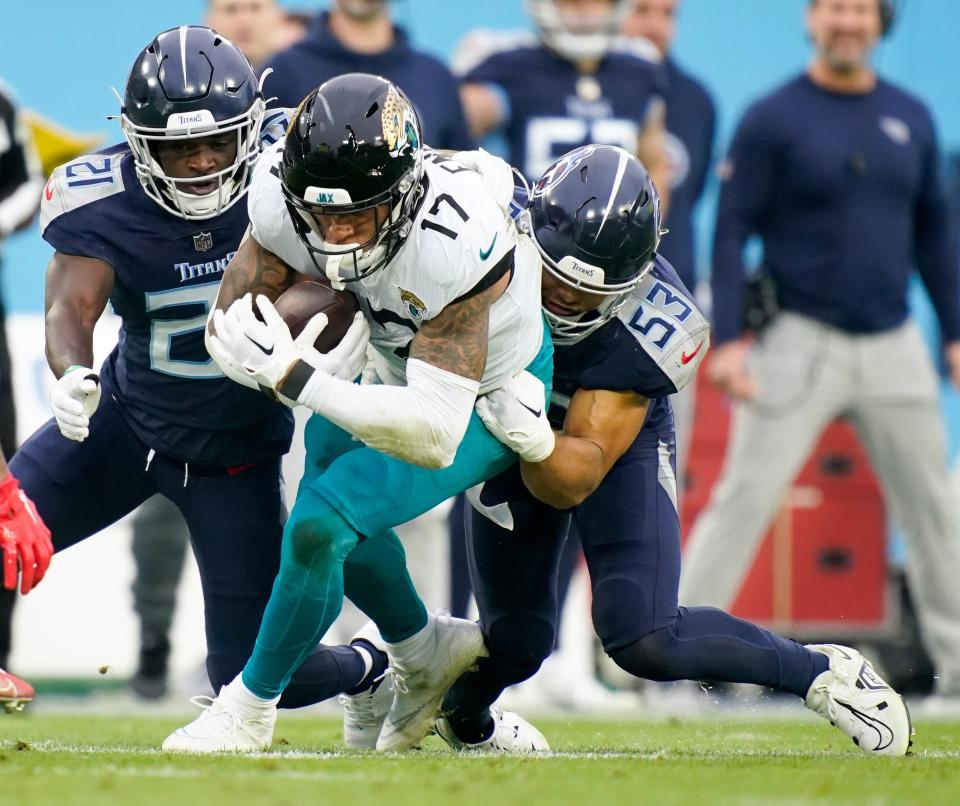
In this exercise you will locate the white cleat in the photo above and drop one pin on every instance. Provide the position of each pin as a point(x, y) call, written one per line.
point(363, 713)
point(854, 698)
point(418, 691)
point(224, 727)
point(511, 734)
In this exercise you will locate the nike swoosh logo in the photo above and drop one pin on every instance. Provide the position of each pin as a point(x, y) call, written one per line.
point(484, 254)
point(533, 411)
point(265, 350)
point(687, 358)
point(48, 190)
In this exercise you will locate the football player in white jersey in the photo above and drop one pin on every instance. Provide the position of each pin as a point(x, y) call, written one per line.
point(451, 305)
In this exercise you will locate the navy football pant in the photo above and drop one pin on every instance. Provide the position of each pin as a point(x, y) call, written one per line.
point(631, 541)
point(235, 520)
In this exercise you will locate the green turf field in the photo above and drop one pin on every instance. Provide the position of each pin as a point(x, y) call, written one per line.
point(80, 759)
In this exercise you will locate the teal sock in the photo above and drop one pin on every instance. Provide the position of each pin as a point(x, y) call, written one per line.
point(307, 595)
point(377, 581)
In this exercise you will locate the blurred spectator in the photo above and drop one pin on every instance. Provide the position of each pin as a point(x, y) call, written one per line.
point(565, 88)
point(837, 172)
point(21, 183)
point(359, 36)
point(259, 28)
point(690, 123)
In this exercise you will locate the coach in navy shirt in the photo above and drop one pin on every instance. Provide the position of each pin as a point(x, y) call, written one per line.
point(358, 36)
point(837, 173)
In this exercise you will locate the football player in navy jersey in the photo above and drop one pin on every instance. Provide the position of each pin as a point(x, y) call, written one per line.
point(627, 336)
point(568, 88)
point(150, 225)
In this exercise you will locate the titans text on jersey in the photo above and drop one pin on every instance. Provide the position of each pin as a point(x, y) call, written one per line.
point(167, 272)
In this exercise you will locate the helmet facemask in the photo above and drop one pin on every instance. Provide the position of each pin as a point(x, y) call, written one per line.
point(172, 192)
point(570, 328)
point(349, 262)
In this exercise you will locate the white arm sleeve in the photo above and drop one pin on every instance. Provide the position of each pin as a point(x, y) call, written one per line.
point(421, 423)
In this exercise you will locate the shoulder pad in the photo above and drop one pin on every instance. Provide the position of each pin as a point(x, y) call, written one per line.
point(79, 182)
point(275, 122)
point(669, 327)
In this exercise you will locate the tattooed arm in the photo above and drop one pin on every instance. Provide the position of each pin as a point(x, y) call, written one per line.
point(255, 270)
point(456, 339)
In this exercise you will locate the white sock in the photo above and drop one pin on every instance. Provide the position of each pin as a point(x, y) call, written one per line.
point(245, 700)
point(417, 649)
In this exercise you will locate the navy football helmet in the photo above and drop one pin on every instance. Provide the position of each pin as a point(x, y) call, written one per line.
point(191, 82)
point(577, 37)
point(595, 218)
point(353, 145)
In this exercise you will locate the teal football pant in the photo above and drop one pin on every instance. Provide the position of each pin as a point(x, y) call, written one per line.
point(340, 535)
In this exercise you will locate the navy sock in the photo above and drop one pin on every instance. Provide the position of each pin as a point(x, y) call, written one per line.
point(327, 672)
point(371, 678)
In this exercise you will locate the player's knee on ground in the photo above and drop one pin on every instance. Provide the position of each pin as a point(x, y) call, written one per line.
point(316, 533)
point(519, 643)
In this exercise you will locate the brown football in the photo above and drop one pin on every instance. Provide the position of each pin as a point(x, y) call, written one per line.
point(301, 302)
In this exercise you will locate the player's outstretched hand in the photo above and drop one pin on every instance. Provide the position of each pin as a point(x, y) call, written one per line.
point(516, 414)
point(24, 538)
point(74, 398)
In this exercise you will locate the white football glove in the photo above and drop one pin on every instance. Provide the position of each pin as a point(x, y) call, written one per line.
point(266, 352)
point(516, 414)
point(496, 174)
point(74, 398)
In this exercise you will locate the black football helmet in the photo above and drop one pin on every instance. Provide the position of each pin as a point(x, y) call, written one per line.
point(595, 217)
point(354, 144)
point(191, 82)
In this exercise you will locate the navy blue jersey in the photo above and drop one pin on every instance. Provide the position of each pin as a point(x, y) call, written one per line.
point(426, 81)
point(167, 272)
point(690, 124)
point(845, 192)
point(552, 108)
point(652, 347)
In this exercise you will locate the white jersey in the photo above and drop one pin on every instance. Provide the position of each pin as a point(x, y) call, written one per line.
point(459, 235)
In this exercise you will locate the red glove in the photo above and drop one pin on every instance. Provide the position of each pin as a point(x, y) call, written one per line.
point(23, 537)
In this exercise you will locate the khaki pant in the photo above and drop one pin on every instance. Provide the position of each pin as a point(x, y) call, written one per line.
point(807, 375)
